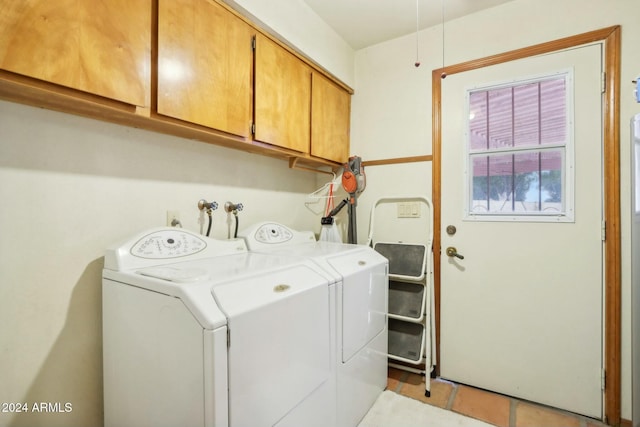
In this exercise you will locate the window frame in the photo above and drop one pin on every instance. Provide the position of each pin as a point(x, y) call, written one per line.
point(568, 176)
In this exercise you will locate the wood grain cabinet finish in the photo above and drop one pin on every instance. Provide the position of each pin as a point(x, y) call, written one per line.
point(102, 47)
point(204, 65)
point(282, 97)
point(330, 118)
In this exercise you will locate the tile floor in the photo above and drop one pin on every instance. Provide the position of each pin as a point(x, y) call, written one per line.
point(493, 408)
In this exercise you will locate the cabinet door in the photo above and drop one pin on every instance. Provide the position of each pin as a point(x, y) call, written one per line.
point(282, 97)
point(100, 47)
point(204, 65)
point(330, 118)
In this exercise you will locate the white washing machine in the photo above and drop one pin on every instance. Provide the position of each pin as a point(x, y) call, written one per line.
point(200, 332)
point(361, 276)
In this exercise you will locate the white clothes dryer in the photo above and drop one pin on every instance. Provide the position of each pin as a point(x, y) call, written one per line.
point(362, 281)
point(201, 332)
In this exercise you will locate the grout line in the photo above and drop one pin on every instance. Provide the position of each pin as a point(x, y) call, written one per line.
point(513, 407)
point(401, 381)
point(452, 396)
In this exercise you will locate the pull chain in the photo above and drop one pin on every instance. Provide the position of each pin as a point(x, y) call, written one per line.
point(417, 63)
point(444, 74)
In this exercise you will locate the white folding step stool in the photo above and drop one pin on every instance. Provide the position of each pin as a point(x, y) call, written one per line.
point(411, 322)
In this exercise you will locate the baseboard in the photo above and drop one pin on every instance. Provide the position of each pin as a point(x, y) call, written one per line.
point(625, 423)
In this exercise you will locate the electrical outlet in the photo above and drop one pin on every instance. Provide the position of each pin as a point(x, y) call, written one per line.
point(173, 218)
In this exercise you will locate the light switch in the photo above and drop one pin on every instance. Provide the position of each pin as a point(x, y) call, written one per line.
point(408, 210)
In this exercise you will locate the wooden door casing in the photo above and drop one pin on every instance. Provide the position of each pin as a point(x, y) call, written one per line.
point(611, 37)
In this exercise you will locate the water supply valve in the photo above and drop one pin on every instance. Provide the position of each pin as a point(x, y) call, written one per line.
point(209, 206)
point(233, 208)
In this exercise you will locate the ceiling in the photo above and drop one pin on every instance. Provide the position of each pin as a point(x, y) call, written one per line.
point(363, 23)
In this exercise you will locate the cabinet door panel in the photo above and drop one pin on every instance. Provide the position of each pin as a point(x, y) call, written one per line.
point(204, 65)
point(330, 118)
point(282, 97)
point(100, 47)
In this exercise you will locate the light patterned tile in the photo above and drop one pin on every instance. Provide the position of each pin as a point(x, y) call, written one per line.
point(483, 405)
point(528, 415)
point(394, 376)
point(440, 390)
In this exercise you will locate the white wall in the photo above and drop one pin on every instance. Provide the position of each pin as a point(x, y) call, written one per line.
point(635, 274)
point(391, 112)
point(69, 187)
point(299, 25)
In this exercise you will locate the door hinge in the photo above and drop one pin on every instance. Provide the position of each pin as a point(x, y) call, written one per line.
point(603, 379)
point(228, 337)
point(603, 83)
point(253, 43)
point(604, 231)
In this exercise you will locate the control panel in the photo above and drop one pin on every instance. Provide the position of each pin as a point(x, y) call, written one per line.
point(165, 244)
point(273, 233)
point(267, 236)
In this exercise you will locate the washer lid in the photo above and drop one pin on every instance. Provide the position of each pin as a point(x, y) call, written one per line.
point(173, 274)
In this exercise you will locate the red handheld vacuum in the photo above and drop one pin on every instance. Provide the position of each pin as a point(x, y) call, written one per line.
point(354, 182)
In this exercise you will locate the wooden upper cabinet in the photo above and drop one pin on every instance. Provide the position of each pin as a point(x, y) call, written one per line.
point(330, 118)
point(204, 65)
point(282, 97)
point(100, 47)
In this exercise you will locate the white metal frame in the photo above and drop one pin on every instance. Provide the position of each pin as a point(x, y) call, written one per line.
point(567, 215)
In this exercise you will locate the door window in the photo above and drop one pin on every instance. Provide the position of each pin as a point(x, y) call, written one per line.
point(519, 150)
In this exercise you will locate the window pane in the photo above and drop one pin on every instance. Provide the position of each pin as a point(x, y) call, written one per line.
point(524, 115)
point(522, 182)
point(527, 115)
point(500, 127)
point(553, 114)
point(478, 121)
point(480, 184)
point(552, 178)
point(518, 134)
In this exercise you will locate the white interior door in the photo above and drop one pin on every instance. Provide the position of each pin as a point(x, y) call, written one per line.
point(521, 314)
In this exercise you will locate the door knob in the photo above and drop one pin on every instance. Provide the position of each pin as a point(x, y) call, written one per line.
point(453, 252)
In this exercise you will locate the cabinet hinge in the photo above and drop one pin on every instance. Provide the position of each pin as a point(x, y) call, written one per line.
point(228, 338)
point(603, 84)
point(253, 128)
point(253, 43)
point(604, 231)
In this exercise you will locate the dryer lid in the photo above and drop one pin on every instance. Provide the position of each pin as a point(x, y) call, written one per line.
point(280, 342)
point(257, 291)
